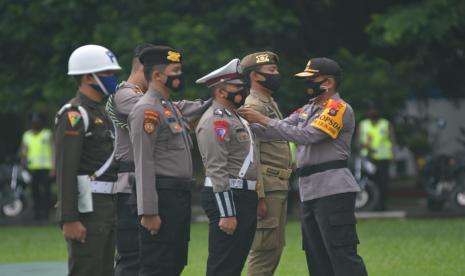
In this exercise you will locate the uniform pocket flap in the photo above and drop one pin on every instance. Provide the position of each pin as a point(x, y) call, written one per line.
point(342, 219)
point(267, 223)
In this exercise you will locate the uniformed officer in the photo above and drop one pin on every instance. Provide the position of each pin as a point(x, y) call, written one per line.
point(231, 163)
point(159, 132)
point(261, 71)
point(85, 174)
point(118, 107)
point(323, 131)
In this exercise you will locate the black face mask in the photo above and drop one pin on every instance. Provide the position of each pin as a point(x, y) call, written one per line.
point(272, 81)
point(315, 87)
point(232, 97)
point(172, 79)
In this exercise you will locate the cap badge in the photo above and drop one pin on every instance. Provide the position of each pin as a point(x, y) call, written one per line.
point(174, 56)
point(262, 58)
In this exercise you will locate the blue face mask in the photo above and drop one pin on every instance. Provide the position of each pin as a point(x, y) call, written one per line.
point(109, 84)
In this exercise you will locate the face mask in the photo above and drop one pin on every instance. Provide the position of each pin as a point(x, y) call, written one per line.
point(316, 90)
point(272, 81)
point(237, 98)
point(175, 82)
point(105, 85)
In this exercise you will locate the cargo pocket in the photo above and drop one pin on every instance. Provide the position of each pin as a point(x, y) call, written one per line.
point(342, 231)
point(266, 235)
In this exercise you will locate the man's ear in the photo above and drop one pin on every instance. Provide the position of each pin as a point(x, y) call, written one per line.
point(156, 75)
point(88, 79)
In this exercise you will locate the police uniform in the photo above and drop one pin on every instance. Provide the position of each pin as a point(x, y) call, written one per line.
point(323, 133)
point(159, 132)
point(127, 242)
point(275, 159)
point(231, 165)
point(81, 149)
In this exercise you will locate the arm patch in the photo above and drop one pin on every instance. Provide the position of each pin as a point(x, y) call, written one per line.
point(330, 120)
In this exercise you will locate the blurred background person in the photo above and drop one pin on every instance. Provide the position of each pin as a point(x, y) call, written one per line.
point(36, 153)
point(376, 139)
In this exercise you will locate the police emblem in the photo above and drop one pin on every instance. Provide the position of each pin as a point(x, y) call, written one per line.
point(332, 112)
point(150, 121)
point(221, 129)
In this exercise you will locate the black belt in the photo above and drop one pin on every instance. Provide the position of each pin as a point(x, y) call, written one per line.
point(173, 183)
point(331, 165)
point(126, 166)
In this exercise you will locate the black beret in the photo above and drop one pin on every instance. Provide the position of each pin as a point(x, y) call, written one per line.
point(159, 54)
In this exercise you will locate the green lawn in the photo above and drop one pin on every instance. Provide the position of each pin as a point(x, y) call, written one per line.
point(393, 247)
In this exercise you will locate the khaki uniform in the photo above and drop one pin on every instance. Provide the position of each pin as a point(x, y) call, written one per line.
point(275, 159)
point(323, 134)
point(159, 132)
point(224, 143)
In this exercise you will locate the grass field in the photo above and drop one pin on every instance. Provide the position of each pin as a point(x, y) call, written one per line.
point(393, 247)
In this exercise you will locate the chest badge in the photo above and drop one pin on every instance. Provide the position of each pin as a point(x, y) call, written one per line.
point(98, 121)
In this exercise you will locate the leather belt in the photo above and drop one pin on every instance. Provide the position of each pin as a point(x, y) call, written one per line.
point(331, 165)
point(236, 183)
point(276, 172)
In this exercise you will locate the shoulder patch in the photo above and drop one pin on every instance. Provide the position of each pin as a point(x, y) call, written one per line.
point(150, 121)
point(74, 117)
point(330, 120)
point(221, 129)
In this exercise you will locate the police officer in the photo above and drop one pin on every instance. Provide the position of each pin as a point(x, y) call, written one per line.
point(159, 132)
point(323, 131)
point(118, 107)
point(229, 198)
point(85, 174)
point(261, 71)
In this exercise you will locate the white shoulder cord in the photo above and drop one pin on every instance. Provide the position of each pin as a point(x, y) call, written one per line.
point(249, 159)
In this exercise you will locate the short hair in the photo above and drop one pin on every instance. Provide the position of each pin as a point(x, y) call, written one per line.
point(136, 53)
point(148, 70)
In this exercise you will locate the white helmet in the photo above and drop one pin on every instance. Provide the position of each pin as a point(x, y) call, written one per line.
point(91, 59)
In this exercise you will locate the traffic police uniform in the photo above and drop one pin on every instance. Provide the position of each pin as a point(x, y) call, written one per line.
point(127, 242)
point(323, 134)
point(84, 142)
point(275, 159)
point(159, 132)
point(231, 165)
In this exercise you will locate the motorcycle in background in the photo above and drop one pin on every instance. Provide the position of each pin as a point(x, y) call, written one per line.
point(443, 176)
point(14, 201)
point(364, 170)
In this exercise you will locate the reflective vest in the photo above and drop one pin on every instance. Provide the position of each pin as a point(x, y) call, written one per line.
point(377, 137)
point(39, 150)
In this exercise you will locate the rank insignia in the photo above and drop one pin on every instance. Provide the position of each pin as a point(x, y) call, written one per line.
point(228, 112)
point(73, 117)
point(218, 112)
point(150, 121)
point(174, 56)
point(98, 121)
point(221, 129)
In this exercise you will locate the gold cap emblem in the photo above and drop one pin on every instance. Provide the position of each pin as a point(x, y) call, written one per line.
point(262, 58)
point(174, 56)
